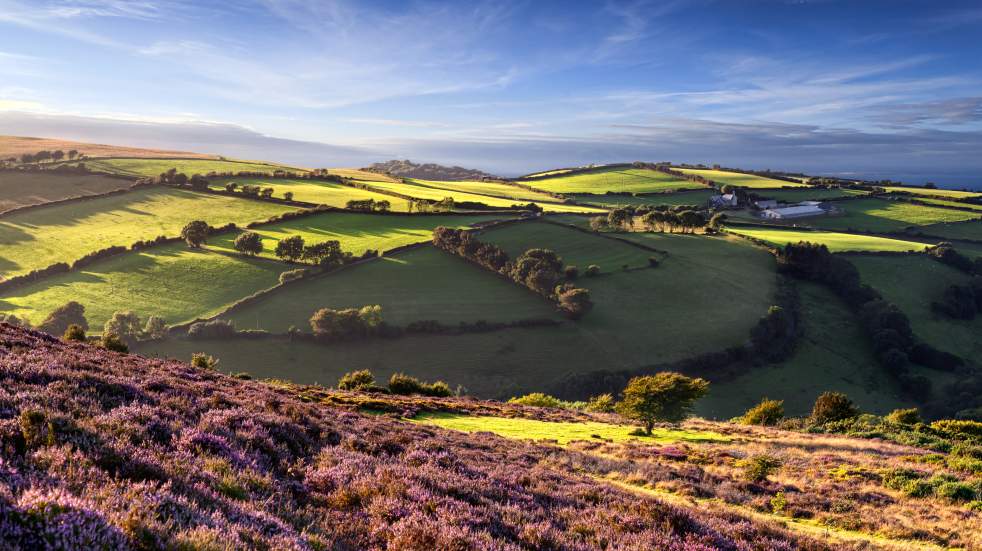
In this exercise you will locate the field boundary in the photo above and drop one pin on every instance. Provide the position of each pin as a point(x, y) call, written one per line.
point(74, 199)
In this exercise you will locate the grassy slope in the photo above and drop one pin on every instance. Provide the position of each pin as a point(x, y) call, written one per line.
point(18, 189)
point(171, 281)
point(16, 145)
point(356, 232)
point(878, 215)
point(314, 191)
point(949, 203)
point(62, 233)
point(436, 194)
point(682, 198)
point(739, 179)
point(574, 247)
point(967, 230)
point(602, 180)
point(912, 283)
point(807, 194)
point(419, 284)
point(357, 174)
point(152, 167)
point(949, 193)
point(836, 242)
point(495, 189)
point(833, 354)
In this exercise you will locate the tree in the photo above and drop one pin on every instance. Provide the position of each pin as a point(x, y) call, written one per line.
point(195, 233)
point(325, 253)
point(179, 179)
point(156, 328)
point(357, 380)
point(290, 248)
point(288, 195)
point(766, 413)
point(58, 155)
point(266, 192)
point(383, 205)
point(250, 243)
point(74, 333)
point(198, 182)
point(203, 361)
point(538, 269)
point(72, 153)
point(126, 325)
point(574, 302)
point(665, 396)
point(111, 341)
point(231, 186)
point(833, 406)
point(26, 158)
point(58, 320)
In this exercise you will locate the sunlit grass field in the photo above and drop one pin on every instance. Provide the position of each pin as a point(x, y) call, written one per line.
point(171, 281)
point(948, 193)
point(356, 232)
point(437, 194)
point(495, 189)
point(602, 180)
point(62, 233)
point(740, 179)
point(970, 230)
point(316, 191)
point(808, 194)
point(414, 285)
point(836, 242)
point(18, 189)
point(152, 167)
point(575, 248)
point(949, 203)
point(694, 197)
point(881, 215)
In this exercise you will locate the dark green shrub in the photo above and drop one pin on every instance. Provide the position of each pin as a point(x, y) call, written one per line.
point(571, 272)
point(767, 413)
point(833, 406)
point(400, 383)
point(665, 396)
point(904, 416)
point(955, 491)
point(758, 467)
point(537, 399)
point(203, 361)
point(592, 270)
point(74, 333)
point(111, 341)
point(357, 380)
point(439, 389)
point(603, 403)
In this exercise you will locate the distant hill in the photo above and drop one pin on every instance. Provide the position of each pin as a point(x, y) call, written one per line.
point(14, 146)
point(428, 171)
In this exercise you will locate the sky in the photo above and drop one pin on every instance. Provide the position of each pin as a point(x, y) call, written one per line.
point(867, 89)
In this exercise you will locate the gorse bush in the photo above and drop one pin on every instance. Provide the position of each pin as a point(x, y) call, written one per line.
point(904, 416)
point(603, 403)
point(111, 341)
point(537, 399)
point(403, 384)
point(758, 467)
point(74, 333)
point(766, 413)
point(357, 380)
point(203, 361)
point(831, 407)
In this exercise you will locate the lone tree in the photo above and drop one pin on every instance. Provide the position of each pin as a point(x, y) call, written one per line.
point(665, 396)
point(290, 248)
point(58, 321)
point(250, 243)
point(833, 406)
point(574, 302)
point(195, 233)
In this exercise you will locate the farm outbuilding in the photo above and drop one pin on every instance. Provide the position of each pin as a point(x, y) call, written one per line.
point(798, 211)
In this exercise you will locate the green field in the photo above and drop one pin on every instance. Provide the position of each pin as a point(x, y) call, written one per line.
point(436, 194)
point(836, 242)
point(18, 189)
point(136, 167)
point(575, 248)
point(808, 194)
point(832, 354)
point(494, 189)
point(316, 191)
point(912, 283)
point(419, 284)
point(948, 193)
point(880, 215)
point(697, 197)
point(971, 231)
point(62, 233)
point(356, 232)
point(739, 179)
point(363, 175)
point(602, 180)
point(721, 285)
point(548, 173)
point(949, 203)
point(171, 281)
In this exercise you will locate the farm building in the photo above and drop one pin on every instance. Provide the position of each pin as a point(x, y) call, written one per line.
point(797, 211)
point(766, 203)
point(725, 200)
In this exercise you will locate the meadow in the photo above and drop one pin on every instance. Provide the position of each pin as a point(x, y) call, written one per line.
point(18, 189)
point(171, 281)
point(493, 189)
point(575, 248)
point(944, 193)
point(62, 233)
point(808, 194)
point(971, 231)
point(356, 232)
point(316, 191)
point(949, 203)
point(437, 194)
point(695, 197)
point(913, 283)
point(548, 173)
point(602, 180)
point(880, 215)
point(413, 285)
point(836, 242)
point(358, 174)
point(149, 167)
point(739, 179)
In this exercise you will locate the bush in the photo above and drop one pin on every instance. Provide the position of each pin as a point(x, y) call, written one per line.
point(58, 320)
point(767, 413)
point(603, 403)
point(195, 233)
point(214, 329)
point(74, 333)
point(293, 275)
point(250, 243)
point(833, 406)
point(592, 270)
point(203, 361)
point(156, 328)
point(537, 399)
point(571, 272)
point(955, 491)
point(958, 428)
point(574, 302)
point(904, 417)
point(758, 467)
point(652, 262)
point(403, 384)
point(111, 341)
point(666, 396)
point(357, 380)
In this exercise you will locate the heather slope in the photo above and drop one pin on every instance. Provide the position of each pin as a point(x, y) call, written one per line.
point(100, 450)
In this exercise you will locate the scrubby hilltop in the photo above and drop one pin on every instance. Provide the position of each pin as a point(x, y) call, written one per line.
point(428, 171)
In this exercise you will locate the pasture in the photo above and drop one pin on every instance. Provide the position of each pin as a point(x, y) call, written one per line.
point(832, 354)
point(575, 247)
point(695, 197)
point(62, 233)
point(358, 174)
point(356, 232)
point(437, 194)
point(809, 194)
point(836, 242)
point(14, 146)
point(315, 191)
point(493, 189)
point(172, 281)
point(971, 230)
point(739, 179)
point(927, 192)
point(18, 189)
point(617, 179)
point(952, 204)
point(418, 284)
point(881, 215)
point(913, 283)
point(148, 167)
point(547, 173)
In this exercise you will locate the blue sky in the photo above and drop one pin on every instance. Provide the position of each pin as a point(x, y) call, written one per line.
point(877, 89)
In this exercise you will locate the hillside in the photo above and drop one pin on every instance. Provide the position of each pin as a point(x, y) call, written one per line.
point(14, 146)
point(428, 171)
